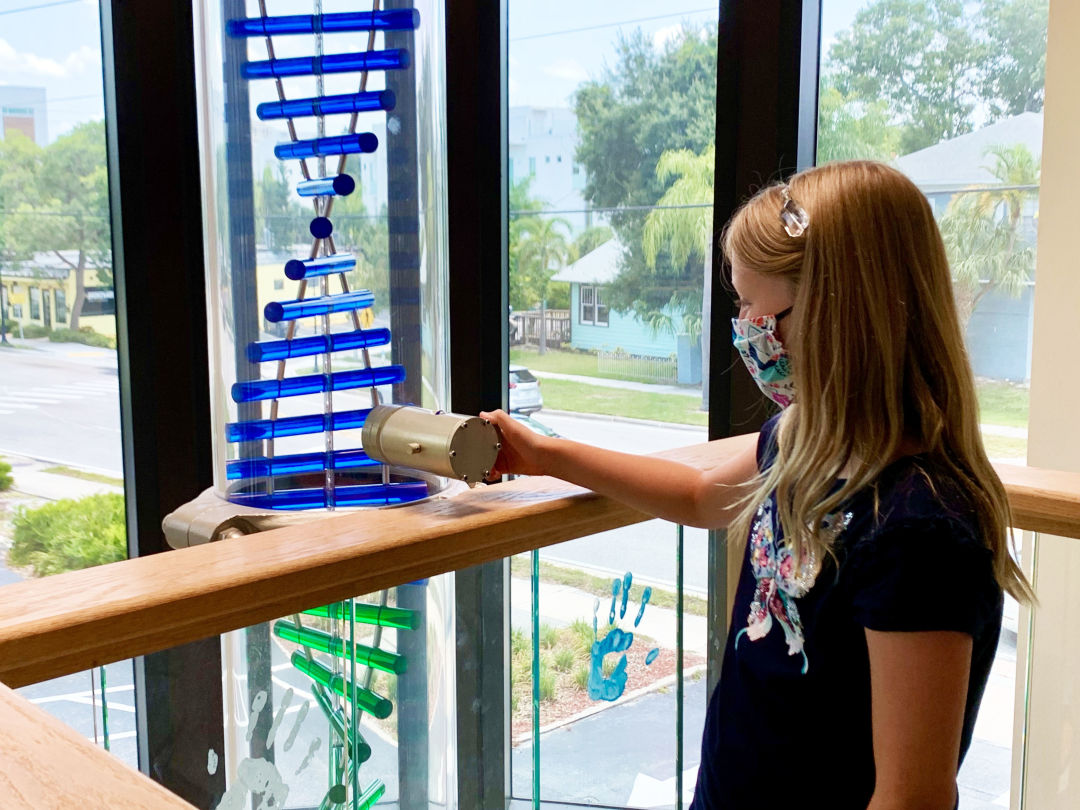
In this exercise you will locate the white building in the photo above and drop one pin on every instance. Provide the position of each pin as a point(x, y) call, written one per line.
point(542, 143)
point(22, 109)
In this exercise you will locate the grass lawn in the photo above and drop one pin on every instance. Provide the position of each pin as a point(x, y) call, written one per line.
point(1005, 447)
point(564, 395)
point(1002, 403)
point(557, 361)
point(84, 475)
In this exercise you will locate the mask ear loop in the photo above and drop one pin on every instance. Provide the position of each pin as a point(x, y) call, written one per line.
point(781, 315)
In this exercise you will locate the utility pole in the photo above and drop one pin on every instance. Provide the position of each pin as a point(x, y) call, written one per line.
point(3, 314)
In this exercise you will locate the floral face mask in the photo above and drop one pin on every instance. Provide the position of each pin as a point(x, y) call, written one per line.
point(765, 356)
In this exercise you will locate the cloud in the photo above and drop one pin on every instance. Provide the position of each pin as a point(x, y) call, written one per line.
point(569, 69)
point(662, 36)
point(31, 65)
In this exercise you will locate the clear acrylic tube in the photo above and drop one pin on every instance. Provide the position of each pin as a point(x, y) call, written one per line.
point(255, 390)
point(277, 311)
point(297, 269)
point(327, 105)
point(358, 495)
point(393, 59)
point(392, 20)
point(363, 143)
point(349, 459)
point(317, 344)
point(340, 186)
point(259, 429)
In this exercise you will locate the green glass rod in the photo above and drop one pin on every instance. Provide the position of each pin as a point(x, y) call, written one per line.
point(371, 795)
point(324, 642)
point(336, 718)
point(381, 615)
point(367, 700)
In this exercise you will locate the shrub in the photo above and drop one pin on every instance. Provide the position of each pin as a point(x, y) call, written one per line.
point(549, 636)
point(68, 535)
point(547, 683)
point(565, 658)
point(5, 476)
point(85, 335)
point(581, 677)
point(32, 330)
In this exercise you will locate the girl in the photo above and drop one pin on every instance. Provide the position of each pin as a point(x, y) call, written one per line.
point(869, 603)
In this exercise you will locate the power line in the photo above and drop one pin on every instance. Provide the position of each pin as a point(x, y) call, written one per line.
point(39, 5)
point(614, 24)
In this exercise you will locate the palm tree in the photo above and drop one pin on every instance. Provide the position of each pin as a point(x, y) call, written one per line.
point(982, 230)
point(686, 234)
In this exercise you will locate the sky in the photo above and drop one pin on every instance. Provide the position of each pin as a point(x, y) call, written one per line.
point(56, 44)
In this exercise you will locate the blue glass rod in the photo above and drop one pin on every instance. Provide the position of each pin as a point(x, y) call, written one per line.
point(303, 462)
point(297, 269)
point(340, 186)
point(316, 383)
point(393, 59)
point(396, 20)
point(359, 495)
point(277, 311)
point(334, 145)
point(256, 429)
point(317, 344)
point(327, 105)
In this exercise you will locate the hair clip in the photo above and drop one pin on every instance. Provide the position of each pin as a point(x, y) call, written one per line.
point(793, 215)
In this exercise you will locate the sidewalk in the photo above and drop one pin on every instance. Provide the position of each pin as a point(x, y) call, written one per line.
point(625, 385)
point(31, 479)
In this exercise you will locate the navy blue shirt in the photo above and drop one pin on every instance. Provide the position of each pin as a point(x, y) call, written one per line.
point(789, 721)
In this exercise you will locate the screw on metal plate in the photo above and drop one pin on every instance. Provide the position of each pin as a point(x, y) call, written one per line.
point(453, 453)
point(414, 447)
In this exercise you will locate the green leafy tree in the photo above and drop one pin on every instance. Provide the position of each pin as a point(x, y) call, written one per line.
point(853, 129)
point(1014, 75)
point(280, 219)
point(589, 240)
point(649, 102)
point(921, 58)
point(542, 251)
point(983, 234)
point(681, 225)
point(56, 200)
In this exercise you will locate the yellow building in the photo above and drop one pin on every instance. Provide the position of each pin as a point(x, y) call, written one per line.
point(40, 292)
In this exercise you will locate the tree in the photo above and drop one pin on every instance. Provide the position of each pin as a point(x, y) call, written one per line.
point(650, 102)
point(921, 58)
point(983, 235)
point(1015, 74)
point(282, 218)
point(589, 240)
point(56, 199)
point(542, 251)
point(684, 232)
point(852, 129)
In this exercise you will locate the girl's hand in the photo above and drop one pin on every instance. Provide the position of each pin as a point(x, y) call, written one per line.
point(523, 451)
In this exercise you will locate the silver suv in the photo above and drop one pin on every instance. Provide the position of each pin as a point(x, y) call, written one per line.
point(525, 396)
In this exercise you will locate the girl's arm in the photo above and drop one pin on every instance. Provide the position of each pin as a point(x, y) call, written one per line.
point(918, 687)
point(667, 489)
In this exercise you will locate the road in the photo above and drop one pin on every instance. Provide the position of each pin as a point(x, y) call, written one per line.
point(61, 402)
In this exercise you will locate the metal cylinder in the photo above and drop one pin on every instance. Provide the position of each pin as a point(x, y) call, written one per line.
point(447, 444)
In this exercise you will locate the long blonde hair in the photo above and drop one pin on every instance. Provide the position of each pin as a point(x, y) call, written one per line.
point(877, 353)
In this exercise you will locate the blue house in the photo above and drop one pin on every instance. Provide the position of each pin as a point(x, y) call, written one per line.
point(594, 327)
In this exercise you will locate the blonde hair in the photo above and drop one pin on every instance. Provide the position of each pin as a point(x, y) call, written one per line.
point(877, 353)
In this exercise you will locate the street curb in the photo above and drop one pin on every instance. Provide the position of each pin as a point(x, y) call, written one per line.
point(62, 463)
point(600, 417)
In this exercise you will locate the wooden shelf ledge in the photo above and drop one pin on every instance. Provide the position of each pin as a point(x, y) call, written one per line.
point(70, 622)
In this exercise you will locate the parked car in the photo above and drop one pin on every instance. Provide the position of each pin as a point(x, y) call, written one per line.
point(534, 426)
point(525, 396)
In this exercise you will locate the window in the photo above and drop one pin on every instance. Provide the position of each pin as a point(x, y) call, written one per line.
point(547, 158)
point(99, 301)
point(593, 309)
point(279, 284)
point(588, 305)
point(60, 304)
point(35, 303)
point(532, 167)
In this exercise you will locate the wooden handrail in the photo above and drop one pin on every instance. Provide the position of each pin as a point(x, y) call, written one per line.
point(70, 622)
point(48, 764)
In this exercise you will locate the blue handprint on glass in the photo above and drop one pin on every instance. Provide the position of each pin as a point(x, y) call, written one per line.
point(617, 640)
